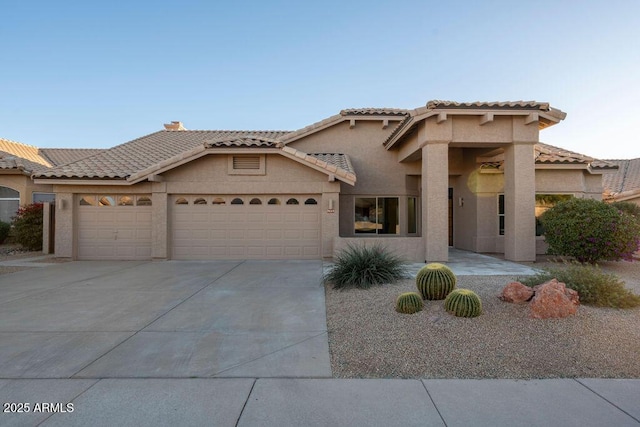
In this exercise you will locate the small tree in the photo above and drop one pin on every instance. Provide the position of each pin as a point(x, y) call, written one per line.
point(27, 226)
point(590, 230)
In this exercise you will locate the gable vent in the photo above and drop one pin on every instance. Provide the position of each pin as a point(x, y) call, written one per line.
point(246, 162)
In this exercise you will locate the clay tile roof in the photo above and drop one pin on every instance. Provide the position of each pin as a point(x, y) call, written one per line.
point(548, 154)
point(62, 156)
point(126, 159)
point(243, 141)
point(626, 178)
point(337, 159)
point(521, 105)
point(16, 155)
point(374, 112)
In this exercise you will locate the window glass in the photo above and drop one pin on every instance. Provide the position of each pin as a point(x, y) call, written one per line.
point(9, 193)
point(365, 215)
point(237, 201)
point(255, 201)
point(412, 215)
point(88, 201)
point(310, 202)
point(293, 202)
point(106, 201)
point(8, 209)
point(377, 215)
point(182, 201)
point(388, 218)
point(144, 201)
point(274, 201)
point(218, 201)
point(125, 201)
point(44, 197)
point(199, 201)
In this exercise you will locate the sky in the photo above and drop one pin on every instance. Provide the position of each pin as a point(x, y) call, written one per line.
point(100, 73)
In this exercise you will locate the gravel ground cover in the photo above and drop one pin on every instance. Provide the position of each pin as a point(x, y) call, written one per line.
point(369, 339)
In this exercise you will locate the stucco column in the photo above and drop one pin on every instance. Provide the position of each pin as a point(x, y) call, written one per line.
point(519, 199)
point(159, 222)
point(435, 205)
point(330, 217)
point(63, 246)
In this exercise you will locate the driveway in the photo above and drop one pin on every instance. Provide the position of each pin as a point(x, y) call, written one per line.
point(173, 319)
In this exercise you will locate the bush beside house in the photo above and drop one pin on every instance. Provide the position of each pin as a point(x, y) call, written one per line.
point(590, 231)
point(27, 226)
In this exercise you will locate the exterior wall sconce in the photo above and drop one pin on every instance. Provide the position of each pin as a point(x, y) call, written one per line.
point(460, 201)
point(331, 209)
point(63, 204)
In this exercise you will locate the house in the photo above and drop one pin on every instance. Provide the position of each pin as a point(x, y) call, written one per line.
point(417, 181)
point(624, 184)
point(18, 162)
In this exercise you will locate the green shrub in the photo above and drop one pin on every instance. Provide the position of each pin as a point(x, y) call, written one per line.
point(590, 230)
point(463, 303)
point(364, 266)
point(4, 231)
point(409, 303)
point(27, 226)
point(594, 286)
point(435, 281)
point(628, 208)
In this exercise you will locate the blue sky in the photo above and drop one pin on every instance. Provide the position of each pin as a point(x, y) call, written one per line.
point(97, 74)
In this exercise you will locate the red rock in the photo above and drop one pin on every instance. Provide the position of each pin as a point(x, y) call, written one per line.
point(516, 292)
point(553, 300)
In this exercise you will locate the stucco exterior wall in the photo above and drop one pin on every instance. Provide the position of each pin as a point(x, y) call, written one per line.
point(25, 186)
point(377, 170)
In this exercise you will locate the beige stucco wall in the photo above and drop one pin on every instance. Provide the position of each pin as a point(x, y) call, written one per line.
point(25, 185)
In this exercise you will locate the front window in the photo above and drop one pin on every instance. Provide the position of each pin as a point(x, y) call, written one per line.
point(376, 215)
point(9, 203)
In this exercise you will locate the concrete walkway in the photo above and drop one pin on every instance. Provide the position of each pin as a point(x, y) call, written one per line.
point(237, 343)
point(282, 402)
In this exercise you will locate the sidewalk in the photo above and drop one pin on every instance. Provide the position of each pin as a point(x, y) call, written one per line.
point(325, 402)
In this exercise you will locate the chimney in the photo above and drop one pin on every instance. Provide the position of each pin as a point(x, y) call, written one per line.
point(174, 126)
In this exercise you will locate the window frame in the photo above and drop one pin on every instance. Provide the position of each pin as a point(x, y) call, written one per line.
point(375, 231)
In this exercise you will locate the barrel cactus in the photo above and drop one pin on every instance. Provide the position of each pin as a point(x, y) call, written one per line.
point(435, 281)
point(463, 303)
point(409, 303)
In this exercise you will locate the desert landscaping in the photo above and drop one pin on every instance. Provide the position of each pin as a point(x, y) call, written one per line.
point(369, 339)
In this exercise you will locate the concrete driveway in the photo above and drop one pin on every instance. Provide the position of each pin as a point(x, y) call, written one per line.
point(173, 319)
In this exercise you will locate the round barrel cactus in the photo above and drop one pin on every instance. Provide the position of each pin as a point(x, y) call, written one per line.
point(463, 303)
point(435, 281)
point(409, 303)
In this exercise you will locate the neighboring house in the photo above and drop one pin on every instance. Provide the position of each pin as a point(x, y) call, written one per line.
point(416, 181)
point(624, 184)
point(18, 162)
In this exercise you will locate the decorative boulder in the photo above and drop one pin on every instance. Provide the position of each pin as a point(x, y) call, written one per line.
point(516, 292)
point(553, 300)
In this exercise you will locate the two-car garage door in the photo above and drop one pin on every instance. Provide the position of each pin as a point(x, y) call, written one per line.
point(201, 227)
point(245, 227)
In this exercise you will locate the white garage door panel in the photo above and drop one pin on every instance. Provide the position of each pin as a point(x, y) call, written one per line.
point(114, 232)
point(259, 231)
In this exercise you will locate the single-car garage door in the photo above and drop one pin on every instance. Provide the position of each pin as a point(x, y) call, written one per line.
point(116, 227)
point(245, 227)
